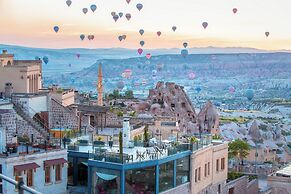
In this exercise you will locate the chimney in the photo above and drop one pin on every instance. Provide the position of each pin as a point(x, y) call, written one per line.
point(8, 90)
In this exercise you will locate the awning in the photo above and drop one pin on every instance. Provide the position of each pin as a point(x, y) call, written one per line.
point(106, 177)
point(54, 162)
point(22, 167)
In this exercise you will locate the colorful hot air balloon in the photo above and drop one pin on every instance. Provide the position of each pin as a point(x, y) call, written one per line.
point(123, 37)
point(191, 75)
point(184, 53)
point(250, 94)
point(159, 33)
point(128, 16)
point(139, 6)
point(45, 59)
point(141, 43)
point(174, 28)
point(85, 10)
point(148, 55)
point(56, 29)
point(267, 34)
point(141, 31)
point(234, 10)
point(93, 8)
point(185, 44)
point(204, 24)
point(120, 14)
point(68, 2)
point(78, 55)
point(139, 51)
point(231, 89)
point(128, 1)
point(120, 38)
point(115, 17)
point(82, 36)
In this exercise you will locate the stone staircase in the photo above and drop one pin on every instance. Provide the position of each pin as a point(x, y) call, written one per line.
point(35, 124)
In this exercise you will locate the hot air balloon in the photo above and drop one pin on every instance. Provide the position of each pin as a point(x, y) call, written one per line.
point(267, 34)
point(160, 66)
point(141, 43)
point(68, 2)
point(120, 85)
point(120, 38)
point(115, 17)
point(185, 44)
point(85, 10)
point(198, 89)
point(204, 24)
point(139, 51)
point(184, 53)
point(90, 37)
point(123, 37)
point(148, 55)
point(120, 14)
point(93, 8)
point(56, 29)
point(159, 33)
point(127, 73)
point(231, 89)
point(113, 13)
point(128, 1)
point(234, 10)
point(78, 55)
point(154, 72)
point(128, 16)
point(139, 6)
point(174, 28)
point(45, 59)
point(82, 36)
point(141, 31)
point(250, 94)
point(191, 75)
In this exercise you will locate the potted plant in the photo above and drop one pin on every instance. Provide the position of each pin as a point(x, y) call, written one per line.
point(193, 140)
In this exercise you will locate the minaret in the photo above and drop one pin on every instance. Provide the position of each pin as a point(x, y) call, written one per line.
point(100, 86)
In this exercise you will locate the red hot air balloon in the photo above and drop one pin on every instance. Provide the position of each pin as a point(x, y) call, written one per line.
point(139, 51)
point(234, 10)
point(128, 16)
point(159, 33)
point(204, 24)
point(148, 56)
point(267, 34)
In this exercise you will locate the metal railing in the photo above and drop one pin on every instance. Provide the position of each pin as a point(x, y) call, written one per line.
point(19, 185)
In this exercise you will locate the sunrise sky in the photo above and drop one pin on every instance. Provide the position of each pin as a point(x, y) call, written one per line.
point(31, 22)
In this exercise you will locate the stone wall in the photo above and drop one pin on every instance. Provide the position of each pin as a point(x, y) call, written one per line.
point(24, 128)
point(7, 123)
point(62, 117)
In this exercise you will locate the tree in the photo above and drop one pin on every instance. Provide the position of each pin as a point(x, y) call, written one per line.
point(121, 146)
point(238, 149)
point(146, 136)
point(128, 94)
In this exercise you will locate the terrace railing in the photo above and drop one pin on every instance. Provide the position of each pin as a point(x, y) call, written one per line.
point(19, 185)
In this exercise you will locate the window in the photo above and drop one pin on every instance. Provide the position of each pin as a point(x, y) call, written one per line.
point(29, 178)
point(217, 165)
point(208, 168)
point(183, 170)
point(222, 163)
point(58, 172)
point(47, 174)
point(195, 175)
point(205, 170)
point(199, 174)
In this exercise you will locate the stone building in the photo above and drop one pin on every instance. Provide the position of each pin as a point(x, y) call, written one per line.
point(208, 119)
point(23, 76)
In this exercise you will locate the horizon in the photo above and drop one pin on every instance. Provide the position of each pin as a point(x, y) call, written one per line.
point(246, 28)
